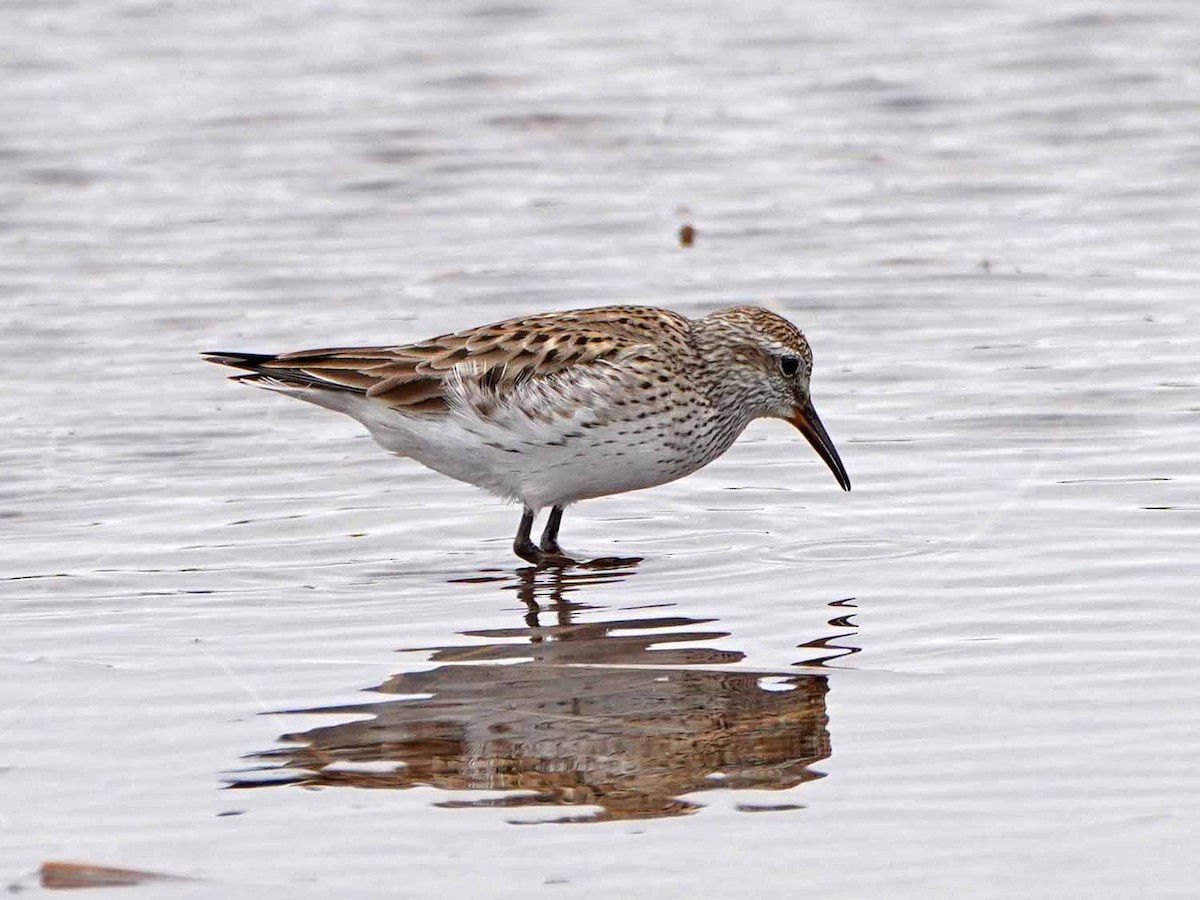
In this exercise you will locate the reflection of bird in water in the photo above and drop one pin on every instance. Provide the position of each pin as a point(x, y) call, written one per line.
point(564, 641)
point(571, 725)
point(560, 407)
point(830, 650)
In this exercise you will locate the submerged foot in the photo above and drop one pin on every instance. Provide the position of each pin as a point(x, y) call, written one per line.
point(611, 562)
point(559, 559)
point(542, 556)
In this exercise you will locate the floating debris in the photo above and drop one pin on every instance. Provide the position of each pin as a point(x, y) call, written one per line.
point(60, 875)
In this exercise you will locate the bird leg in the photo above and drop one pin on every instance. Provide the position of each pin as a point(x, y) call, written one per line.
point(549, 553)
point(549, 542)
point(522, 545)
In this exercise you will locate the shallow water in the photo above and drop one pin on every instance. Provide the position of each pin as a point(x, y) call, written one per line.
point(239, 643)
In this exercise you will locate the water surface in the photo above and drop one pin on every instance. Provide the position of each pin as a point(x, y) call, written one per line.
point(241, 644)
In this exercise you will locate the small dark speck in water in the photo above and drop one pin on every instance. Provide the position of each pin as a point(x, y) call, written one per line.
point(63, 177)
point(779, 807)
point(231, 812)
point(908, 261)
point(1114, 480)
point(687, 236)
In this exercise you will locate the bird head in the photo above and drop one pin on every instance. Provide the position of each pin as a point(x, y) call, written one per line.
point(766, 360)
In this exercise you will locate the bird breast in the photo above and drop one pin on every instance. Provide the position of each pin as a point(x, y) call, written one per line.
point(546, 444)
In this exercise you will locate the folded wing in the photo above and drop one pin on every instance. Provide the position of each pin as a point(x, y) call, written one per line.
point(536, 366)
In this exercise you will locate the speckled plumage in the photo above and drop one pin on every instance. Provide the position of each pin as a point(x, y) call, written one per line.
point(559, 407)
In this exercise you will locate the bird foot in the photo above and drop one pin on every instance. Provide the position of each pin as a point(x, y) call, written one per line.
point(611, 562)
point(549, 555)
point(541, 556)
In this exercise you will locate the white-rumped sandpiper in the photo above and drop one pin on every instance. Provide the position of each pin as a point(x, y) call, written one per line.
point(559, 407)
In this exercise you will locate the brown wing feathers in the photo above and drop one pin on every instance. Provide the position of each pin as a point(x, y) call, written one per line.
point(374, 371)
point(413, 377)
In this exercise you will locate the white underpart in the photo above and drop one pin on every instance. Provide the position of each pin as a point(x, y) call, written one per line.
point(548, 441)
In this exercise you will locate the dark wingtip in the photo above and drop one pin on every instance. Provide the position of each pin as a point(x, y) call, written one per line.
point(251, 361)
point(267, 370)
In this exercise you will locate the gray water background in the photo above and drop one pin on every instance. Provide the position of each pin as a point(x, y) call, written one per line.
point(986, 217)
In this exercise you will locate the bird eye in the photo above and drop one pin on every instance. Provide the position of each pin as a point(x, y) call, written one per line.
point(789, 365)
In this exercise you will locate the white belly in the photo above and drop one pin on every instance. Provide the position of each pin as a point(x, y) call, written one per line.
point(557, 464)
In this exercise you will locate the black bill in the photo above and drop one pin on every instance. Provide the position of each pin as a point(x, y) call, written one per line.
point(805, 419)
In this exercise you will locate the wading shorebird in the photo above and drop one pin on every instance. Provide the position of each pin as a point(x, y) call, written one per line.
point(554, 408)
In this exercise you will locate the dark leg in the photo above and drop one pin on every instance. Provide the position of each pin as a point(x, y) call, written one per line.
point(522, 545)
point(549, 542)
point(549, 554)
